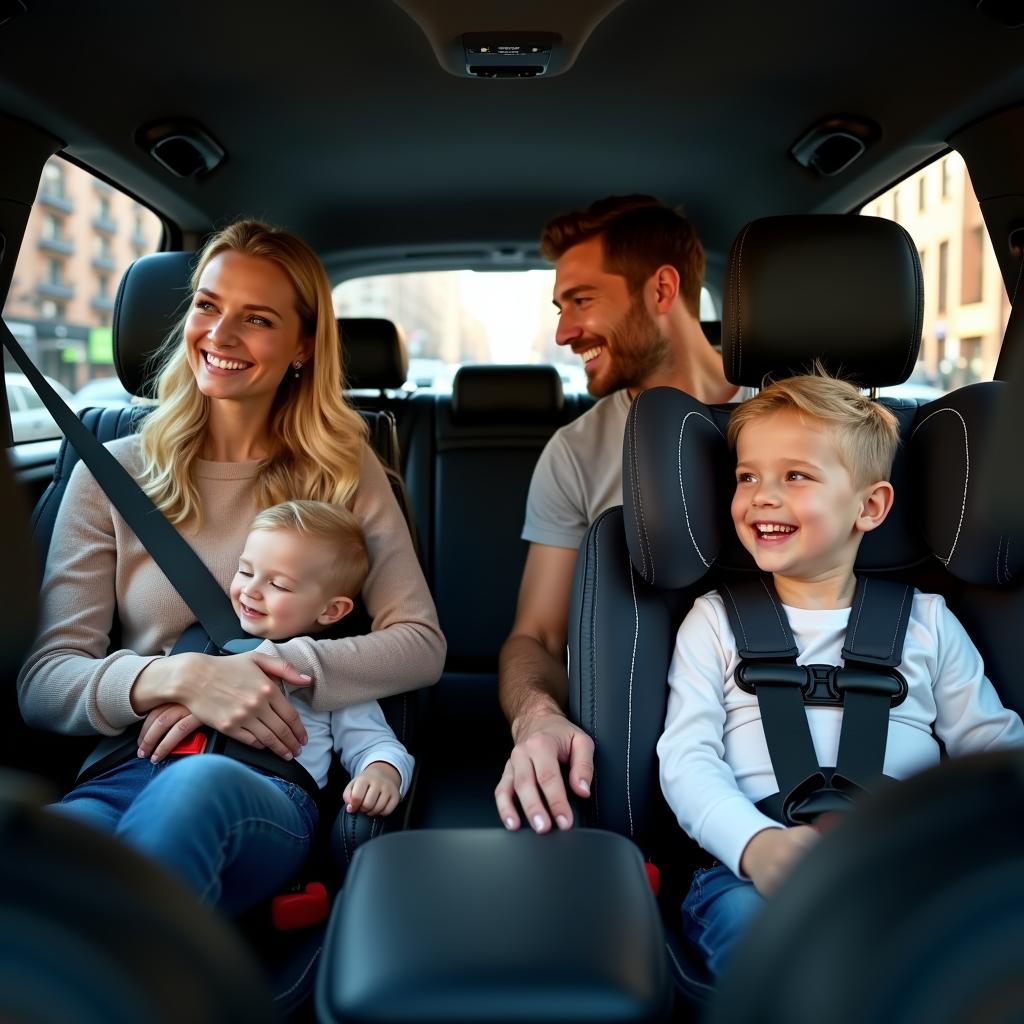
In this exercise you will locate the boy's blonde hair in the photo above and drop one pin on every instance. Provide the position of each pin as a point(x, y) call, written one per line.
point(866, 433)
point(332, 523)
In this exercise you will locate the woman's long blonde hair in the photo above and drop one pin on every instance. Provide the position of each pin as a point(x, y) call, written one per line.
point(318, 438)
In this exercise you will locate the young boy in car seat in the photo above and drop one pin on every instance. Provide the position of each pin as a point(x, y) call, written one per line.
point(302, 565)
point(813, 460)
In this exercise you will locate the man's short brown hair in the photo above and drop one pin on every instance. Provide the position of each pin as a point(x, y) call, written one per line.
point(639, 234)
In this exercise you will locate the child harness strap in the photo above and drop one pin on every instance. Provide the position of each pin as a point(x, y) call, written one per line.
point(866, 687)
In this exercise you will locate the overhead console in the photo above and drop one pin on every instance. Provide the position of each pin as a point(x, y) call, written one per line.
point(535, 39)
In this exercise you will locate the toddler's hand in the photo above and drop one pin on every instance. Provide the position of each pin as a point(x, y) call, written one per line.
point(771, 854)
point(374, 791)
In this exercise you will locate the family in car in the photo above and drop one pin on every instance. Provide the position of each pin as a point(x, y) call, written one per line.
point(251, 413)
point(252, 428)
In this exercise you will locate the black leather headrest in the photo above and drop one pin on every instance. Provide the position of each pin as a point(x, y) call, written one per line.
point(518, 392)
point(677, 485)
point(153, 295)
point(845, 289)
point(945, 447)
point(374, 353)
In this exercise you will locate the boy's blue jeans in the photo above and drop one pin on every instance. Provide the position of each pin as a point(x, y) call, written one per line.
point(716, 913)
point(234, 834)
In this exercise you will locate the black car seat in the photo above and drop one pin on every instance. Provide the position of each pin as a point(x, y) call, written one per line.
point(846, 290)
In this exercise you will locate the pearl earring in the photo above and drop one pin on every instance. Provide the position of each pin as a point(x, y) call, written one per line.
point(298, 366)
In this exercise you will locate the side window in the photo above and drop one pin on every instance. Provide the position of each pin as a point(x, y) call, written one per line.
point(965, 303)
point(81, 236)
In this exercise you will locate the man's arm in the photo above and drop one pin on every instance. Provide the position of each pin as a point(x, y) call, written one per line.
point(532, 688)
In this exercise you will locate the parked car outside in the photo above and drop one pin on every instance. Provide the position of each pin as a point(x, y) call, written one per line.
point(30, 419)
point(102, 391)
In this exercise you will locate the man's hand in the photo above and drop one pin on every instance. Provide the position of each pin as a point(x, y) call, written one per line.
point(532, 687)
point(533, 773)
point(376, 790)
point(771, 854)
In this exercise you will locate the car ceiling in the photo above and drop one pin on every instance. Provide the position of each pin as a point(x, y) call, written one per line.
point(340, 122)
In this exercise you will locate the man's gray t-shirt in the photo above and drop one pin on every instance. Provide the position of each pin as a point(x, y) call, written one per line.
point(579, 473)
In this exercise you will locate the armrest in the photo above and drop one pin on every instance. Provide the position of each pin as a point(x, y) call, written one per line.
point(486, 925)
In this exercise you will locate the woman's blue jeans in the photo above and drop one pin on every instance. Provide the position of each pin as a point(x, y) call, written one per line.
point(233, 833)
point(716, 913)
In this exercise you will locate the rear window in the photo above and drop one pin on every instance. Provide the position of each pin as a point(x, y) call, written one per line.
point(453, 317)
point(81, 236)
point(965, 303)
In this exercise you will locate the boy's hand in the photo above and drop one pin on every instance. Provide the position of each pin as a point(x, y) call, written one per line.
point(374, 791)
point(771, 854)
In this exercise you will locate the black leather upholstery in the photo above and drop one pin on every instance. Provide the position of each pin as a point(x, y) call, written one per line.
point(518, 392)
point(152, 297)
point(373, 353)
point(846, 289)
point(456, 925)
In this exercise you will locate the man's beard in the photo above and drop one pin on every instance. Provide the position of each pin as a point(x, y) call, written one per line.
point(634, 349)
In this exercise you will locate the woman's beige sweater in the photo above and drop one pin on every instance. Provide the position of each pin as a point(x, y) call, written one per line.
point(96, 566)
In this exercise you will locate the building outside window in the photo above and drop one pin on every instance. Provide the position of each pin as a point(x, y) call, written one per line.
point(943, 275)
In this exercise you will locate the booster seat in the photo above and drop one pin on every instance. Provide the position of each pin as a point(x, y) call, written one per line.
point(845, 290)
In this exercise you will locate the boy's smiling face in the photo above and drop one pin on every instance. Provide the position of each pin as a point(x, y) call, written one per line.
point(282, 587)
point(796, 508)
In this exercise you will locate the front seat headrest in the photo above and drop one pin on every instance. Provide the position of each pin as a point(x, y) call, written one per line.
point(843, 288)
point(152, 297)
point(373, 353)
point(502, 393)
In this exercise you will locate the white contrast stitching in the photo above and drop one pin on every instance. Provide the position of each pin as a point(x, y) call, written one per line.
point(906, 590)
point(737, 361)
point(682, 491)
point(739, 618)
point(298, 981)
point(638, 494)
point(775, 608)
point(967, 473)
point(629, 703)
point(860, 608)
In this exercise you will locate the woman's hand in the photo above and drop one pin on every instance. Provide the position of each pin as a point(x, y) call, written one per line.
point(164, 728)
point(239, 695)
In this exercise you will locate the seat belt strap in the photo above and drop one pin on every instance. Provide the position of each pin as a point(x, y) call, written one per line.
point(769, 669)
point(183, 568)
point(868, 681)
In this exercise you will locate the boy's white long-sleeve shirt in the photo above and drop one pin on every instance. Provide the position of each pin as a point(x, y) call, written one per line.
point(714, 761)
point(359, 734)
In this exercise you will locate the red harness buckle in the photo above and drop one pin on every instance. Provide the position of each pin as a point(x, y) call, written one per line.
point(653, 877)
point(300, 909)
point(194, 743)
